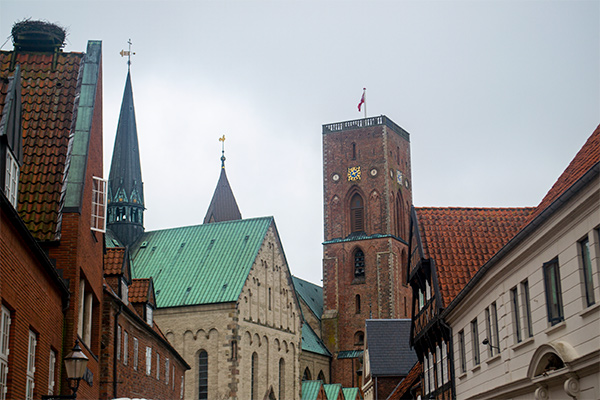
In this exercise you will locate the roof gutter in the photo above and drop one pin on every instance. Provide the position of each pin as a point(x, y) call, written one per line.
point(574, 189)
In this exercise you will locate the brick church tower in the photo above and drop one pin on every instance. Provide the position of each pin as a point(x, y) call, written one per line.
point(367, 200)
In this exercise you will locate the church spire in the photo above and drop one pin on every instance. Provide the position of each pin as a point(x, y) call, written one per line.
point(125, 188)
point(223, 206)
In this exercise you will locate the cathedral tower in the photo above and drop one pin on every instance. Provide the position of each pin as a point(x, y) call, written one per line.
point(367, 200)
point(125, 188)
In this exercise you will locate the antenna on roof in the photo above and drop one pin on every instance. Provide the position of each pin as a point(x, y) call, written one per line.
point(222, 140)
point(128, 53)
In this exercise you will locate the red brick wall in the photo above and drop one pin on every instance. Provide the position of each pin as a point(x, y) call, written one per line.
point(383, 292)
point(79, 254)
point(35, 302)
point(131, 382)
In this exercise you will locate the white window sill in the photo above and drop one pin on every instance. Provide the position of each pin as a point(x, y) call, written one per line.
point(557, 327)
point(476, 368)
point(589, 310)
point(522, 344)
point(462, 376)
point(493, 359)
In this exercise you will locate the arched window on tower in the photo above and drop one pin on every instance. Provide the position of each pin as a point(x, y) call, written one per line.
point(359, 264)
point(357, 303)
point(306, 376)
point(359, 338)
point(281, 379)
point(357, 214)
point(354, 151)
point(254, 377)
point(203, 375)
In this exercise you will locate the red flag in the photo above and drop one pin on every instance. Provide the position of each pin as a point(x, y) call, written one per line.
point(362, 100)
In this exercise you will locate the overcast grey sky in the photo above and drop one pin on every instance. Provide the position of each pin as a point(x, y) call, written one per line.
point(497, 96)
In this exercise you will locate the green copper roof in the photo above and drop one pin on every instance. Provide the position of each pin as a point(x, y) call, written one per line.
point(79, 144)
point(310, 389)
point(350, 393)
point(332, 391)
point(311, 342)
point(311, 294)
point(199, 264)
point(349, 354)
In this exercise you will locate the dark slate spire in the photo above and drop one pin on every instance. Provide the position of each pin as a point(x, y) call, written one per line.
point(223, 206)
point(125, 188)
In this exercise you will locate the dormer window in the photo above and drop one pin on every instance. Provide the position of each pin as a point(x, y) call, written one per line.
point(124, 291)
point(11, 183)
point(149, 311)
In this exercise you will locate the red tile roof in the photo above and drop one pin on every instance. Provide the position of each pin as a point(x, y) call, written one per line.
point(113, 260)
point(407, 383)
point(586, 158)
point(138, 290)
point(461, 240)
point(48, 97)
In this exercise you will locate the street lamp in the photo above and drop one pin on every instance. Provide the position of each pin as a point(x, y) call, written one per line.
point(75, 366)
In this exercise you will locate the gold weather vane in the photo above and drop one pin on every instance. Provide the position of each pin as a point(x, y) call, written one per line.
point(128, 53)
point(222, 140)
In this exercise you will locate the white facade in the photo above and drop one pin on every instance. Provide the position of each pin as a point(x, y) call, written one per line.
point(526, 366)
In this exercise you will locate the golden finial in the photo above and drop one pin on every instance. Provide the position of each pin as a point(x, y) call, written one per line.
point(222, 140)
point(128, 53)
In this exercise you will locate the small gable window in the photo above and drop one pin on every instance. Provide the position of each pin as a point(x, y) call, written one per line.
point(99, 204)
point(149, 311)
point(124, 291)
point(359, 264)
point(357, 220)
point(11, 182)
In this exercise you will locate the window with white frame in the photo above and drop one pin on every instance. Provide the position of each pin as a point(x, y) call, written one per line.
point(157, 365)
point(431, 373)
point(125, 347)
point(586, 263)
point(526, 302)
point(444, 363)
point(30, 376)
point(438, 364)
point(421, 300)
point(427, 290)
point(462, 351)
point(51, 372)
point(135, 353)
point(426, 373)
point(86, 304)
point(514, 300)
point(11, 182)
point(148, 360)
point(124, 291)
point(149, 311)
point(118, 344)
point(4, 351)
point(99, 193)
point(475, 342)
point(491, 323)
point(552, 285)
point(167, 371)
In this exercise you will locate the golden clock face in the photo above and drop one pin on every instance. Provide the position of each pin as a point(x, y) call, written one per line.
point(354, 173)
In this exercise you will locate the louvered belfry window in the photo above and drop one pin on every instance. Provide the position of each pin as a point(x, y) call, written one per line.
point(357, 214)
point(359, 264)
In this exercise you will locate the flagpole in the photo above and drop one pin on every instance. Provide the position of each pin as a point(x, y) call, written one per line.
point(365, 97)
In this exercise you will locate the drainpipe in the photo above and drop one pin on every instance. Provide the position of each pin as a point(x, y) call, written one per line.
point(376, 393)
point(115, 380)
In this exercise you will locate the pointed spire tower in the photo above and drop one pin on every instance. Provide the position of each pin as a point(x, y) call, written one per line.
point(223, 206)
point(125, 188)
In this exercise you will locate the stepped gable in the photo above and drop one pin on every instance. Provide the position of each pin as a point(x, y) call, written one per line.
point(49, 92)
point(223, 206)
point(585, 159)
point(461, 240)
